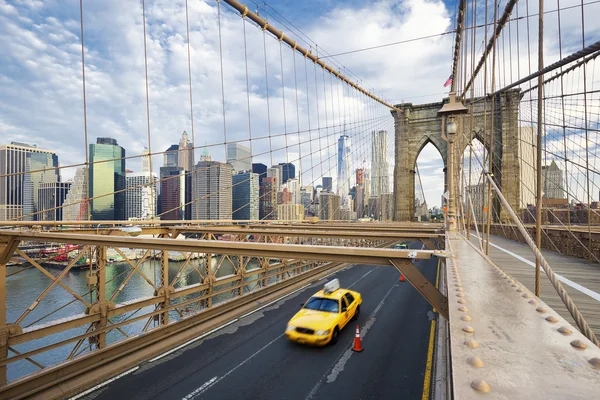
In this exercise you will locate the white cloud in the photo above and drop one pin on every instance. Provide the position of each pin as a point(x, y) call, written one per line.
point(42, 99)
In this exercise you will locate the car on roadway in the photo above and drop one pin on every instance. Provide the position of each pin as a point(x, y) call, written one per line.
point(400, 246)
point(324, 315)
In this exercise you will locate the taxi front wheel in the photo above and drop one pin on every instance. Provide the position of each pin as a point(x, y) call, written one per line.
point(334, 336)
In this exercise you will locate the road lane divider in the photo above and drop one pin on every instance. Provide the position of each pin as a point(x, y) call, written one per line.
point(338, 366)
point(205, 387)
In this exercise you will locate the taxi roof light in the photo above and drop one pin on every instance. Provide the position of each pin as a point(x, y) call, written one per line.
point(331, 286)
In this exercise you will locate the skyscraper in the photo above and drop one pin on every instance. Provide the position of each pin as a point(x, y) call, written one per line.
point(386, 202)
point(359, 202)
point(140, 197)
point(380, 181)
point(527, 157)
point(288, 171)
point(212, 191)
point(244, 196)
point(275, 172)
point(185, 158)
point(329, 206)
point(290, 212)
point(239, 157)
point(75, 206)
point(19, 192)
point(327, 183)
point(171, 156)
point(50, 198)
point(306, 196)
point(343, 163)
point(107, 180)
point(553, 181)
point(145, 160)
point(261, 170)
point(268, 198)
point(294, 188)
point(175, 194)
point(360, 173)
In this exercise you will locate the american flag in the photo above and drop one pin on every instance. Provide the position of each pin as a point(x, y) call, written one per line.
point(448, 82)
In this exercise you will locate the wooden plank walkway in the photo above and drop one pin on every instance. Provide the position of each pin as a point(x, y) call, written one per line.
point(582, 274)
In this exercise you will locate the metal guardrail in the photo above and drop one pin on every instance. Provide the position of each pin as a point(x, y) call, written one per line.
point(107, 323)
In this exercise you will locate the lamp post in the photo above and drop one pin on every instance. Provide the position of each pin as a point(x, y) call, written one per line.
point(448, 111)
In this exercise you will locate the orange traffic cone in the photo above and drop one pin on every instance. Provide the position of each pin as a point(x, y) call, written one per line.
point(401, 277)
point(357, 346)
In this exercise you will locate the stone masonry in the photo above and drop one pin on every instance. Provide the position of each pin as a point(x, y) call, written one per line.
point(418, 125)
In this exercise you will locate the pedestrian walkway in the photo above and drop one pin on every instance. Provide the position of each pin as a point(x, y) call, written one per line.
point(580, 278)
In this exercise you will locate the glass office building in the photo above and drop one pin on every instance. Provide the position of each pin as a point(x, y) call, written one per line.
point(244, 197)
point(106, 178)
point(344, 161)
point(24, 168)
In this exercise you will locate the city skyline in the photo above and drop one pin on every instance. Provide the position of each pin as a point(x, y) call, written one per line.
point(137, 184)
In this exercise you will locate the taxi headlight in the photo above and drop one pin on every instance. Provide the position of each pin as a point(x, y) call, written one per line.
point(322, 333)
point(291, 328)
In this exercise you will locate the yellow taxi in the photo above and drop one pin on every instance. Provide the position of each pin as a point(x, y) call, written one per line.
point(323, 316)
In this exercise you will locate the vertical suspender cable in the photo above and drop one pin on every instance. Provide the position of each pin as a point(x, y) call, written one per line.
point(298, 125)
point(562, 105)
point(587, 153)
point(187, 27)
point(87, 156)
point(540, 106)
point(287, 160)
point(248, 103)
point(485, 128)
point(492, 133)
point(310, 139)
point(222, 73)
point(152, 194)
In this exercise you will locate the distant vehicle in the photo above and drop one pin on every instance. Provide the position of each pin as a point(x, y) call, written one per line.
point(323, 316)
point(400, 246)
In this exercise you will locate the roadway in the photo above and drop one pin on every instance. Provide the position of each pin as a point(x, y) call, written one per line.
point(252, 359)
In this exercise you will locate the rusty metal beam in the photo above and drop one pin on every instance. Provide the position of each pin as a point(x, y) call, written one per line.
point(136, 349)
point(284, 251)
point(311, 232)
point(423, 286)
point(8, 245)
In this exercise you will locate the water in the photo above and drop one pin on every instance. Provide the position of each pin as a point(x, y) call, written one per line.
point(27, 285)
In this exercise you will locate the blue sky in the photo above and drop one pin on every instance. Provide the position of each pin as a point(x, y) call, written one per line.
point(40, 73)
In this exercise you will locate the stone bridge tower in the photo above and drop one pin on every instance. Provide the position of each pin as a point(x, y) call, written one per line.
point(418, 125)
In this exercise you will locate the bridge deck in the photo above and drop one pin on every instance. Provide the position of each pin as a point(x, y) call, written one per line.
point(580, 278)
point(502, 342)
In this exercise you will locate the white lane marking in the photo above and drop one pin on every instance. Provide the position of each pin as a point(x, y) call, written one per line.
point(201, 388)
point(230, 322)
point(566, 281)
point(274, 301)
point(80, 395)
point(193, 340)
point(289, 294)
point(204, 387)
point(362, 277)
point(343, 359)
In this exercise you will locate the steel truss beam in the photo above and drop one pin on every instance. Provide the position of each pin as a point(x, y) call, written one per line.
point(283, 251)
point(294, 261)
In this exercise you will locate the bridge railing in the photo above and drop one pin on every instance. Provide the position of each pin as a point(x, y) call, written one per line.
point(100, 296)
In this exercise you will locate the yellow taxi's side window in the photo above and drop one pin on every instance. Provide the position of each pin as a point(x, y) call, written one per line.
point(344, 304)
point(349, 298)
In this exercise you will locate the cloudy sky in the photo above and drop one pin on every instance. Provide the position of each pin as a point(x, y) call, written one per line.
point(41, 99)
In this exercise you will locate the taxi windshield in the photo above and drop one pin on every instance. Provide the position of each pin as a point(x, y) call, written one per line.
point(320, 304)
